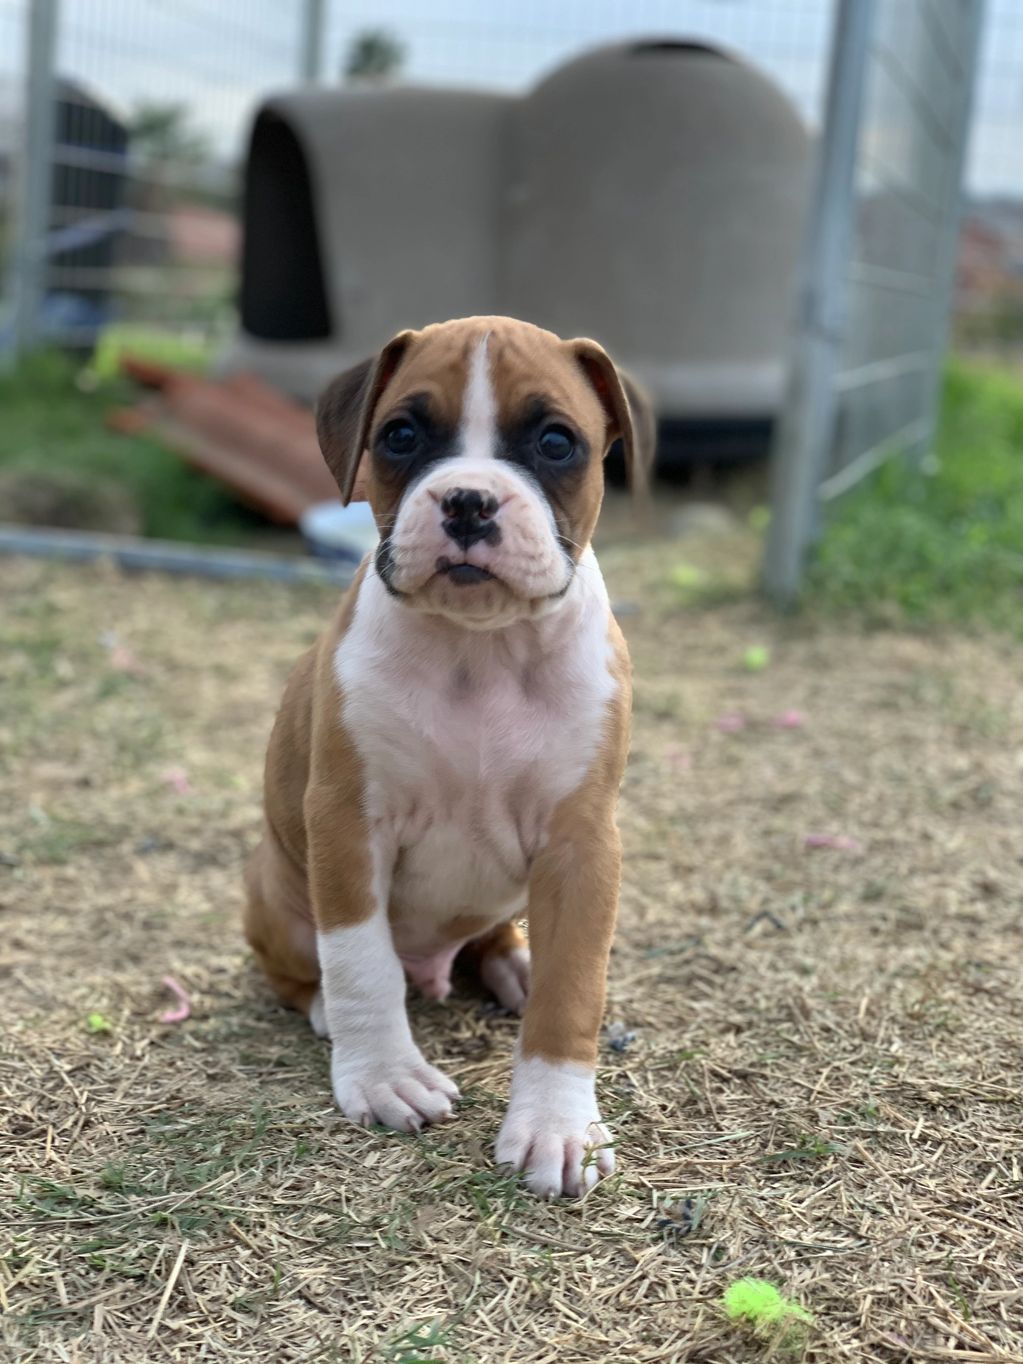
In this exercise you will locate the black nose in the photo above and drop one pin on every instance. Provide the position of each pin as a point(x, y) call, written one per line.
point(469, 516)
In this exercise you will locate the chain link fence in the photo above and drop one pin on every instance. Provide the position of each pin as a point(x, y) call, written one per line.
point(147, 103)
point(143, 105)
point(876, 275)
point(988, 303)
point(509, 46)
point(12, 15)
point(154, 97)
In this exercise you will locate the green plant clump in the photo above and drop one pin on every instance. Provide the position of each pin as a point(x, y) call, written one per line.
point(941, 544)
point(55, 429)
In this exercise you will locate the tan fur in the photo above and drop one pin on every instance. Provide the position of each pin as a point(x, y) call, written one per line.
point(498, 942)
point(278, 921)
point(313, 850)
point(573, 898)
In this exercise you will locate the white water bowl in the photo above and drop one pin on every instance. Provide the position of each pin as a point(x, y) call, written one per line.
point(335, 532)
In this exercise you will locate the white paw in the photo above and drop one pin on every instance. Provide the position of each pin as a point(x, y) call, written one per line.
point(556, 1162)
point(506, 976)
point(403, 1092)
point(552, 1131)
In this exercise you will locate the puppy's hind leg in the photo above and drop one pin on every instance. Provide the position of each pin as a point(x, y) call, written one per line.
point(279, 928)
point(501, 960)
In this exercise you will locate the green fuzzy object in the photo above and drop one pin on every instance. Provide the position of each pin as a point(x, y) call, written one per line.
point(762, 1306)
point(147, 343)
point(687, 577)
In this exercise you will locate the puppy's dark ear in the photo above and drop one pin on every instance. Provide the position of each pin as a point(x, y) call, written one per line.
point(630, 415)
point(345, 411)
point(644, 432)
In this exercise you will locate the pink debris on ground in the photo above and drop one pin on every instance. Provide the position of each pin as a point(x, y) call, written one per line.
point(121, 657)
point(790, 719)
point(731, 722)
point(678, 759)
point(177, 779)
point(125, 661)
point(840, 842)
point(184, 1006)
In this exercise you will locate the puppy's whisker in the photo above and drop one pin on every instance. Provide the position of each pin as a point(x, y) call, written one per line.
point(567, 540)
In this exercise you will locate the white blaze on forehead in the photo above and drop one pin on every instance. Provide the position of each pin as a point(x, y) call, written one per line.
point(479, 411)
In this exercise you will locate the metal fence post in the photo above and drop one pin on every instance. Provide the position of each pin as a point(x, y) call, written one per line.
point(806, 423)
point(35, 176)
point(311, 56)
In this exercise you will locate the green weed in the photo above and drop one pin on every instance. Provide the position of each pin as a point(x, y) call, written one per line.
point(54, 428)
point(942, 544)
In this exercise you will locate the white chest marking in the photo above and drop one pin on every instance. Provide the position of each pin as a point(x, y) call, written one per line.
point(469, 740)
point(478, 432)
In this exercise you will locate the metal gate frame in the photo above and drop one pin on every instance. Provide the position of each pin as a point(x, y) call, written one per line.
point(807, 426)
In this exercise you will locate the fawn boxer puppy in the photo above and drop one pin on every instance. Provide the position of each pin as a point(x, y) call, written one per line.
point(446, 759)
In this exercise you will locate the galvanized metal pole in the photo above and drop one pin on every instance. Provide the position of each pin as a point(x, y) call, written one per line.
point(35, 175)
point(311, 58)
point(805, 427)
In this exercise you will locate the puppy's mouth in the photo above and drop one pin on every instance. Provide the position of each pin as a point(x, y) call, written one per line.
point(462, 574)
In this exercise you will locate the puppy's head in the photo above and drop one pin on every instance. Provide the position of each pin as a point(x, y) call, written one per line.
point(479, 445)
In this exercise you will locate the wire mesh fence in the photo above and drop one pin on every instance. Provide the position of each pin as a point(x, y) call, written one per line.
point(147, 103)
point(12, 42)
point(878, 264)
point(155, 96)
point(152, 99)
point(150, 103)
point(510, 45)
point(988, 304)
point(919, 87)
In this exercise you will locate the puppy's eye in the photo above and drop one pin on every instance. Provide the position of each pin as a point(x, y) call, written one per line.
point(400, 436)
point(556, 443)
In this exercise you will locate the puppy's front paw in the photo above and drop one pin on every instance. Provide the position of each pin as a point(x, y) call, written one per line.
point(553, 1132)
point(402, 1092)
point(556, 1162)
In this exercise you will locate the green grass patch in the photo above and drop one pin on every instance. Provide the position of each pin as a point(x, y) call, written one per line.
point(53, 840)
point(941, 545)
point(54, 429)
point(805, 1148)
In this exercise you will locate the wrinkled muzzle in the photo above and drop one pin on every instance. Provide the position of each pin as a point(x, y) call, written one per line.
point(475, 540)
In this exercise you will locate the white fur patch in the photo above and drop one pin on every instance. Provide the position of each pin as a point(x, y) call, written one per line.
point(469, 739)
point(552, 1130)
point(378, 1072)
point(478, 432)
point(526, 559)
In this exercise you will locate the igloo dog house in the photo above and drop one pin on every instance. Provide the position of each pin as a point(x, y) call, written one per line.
point(648, 194)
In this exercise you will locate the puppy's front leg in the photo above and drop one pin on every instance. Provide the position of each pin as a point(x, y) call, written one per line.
point(552, 1130)
point(378, 1073)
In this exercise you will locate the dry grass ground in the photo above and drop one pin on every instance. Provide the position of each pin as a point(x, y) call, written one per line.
point(813, 1068)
